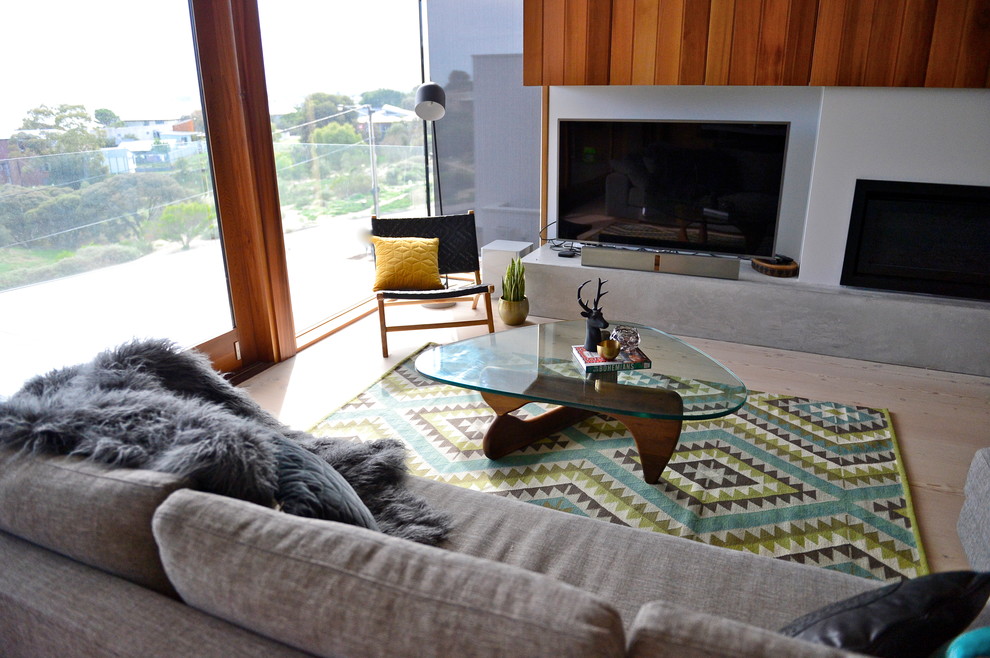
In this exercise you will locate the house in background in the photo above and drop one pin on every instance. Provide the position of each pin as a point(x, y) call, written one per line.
point(150, 129)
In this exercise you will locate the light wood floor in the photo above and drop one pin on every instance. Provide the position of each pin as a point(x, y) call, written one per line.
point(940, 418)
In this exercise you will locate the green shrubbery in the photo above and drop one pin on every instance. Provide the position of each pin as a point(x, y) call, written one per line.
point(85, 259)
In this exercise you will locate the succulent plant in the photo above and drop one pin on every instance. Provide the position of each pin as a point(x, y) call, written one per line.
point(514, 282)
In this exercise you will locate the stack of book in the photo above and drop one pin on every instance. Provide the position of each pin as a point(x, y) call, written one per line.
point(633, 359)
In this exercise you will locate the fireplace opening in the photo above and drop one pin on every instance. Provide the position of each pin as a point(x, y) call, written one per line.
point(919, 237)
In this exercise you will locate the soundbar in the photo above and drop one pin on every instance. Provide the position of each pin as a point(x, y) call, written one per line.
point(648, 261)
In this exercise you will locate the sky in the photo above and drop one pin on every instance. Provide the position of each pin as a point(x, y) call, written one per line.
point(136, 58)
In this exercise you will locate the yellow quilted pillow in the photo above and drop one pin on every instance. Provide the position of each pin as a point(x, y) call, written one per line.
point(406, 264)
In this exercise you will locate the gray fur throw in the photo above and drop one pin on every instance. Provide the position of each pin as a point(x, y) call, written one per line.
point(148, 404)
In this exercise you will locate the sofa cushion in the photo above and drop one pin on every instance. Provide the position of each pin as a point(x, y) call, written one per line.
point(335, 589)
point(910, 618)
point(667, 629)
point(629, 567)
point(90, 512)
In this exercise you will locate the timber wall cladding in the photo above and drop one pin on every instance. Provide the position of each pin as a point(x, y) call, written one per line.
point(883, 43)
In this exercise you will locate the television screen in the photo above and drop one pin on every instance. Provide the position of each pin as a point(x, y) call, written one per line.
point(686, 186)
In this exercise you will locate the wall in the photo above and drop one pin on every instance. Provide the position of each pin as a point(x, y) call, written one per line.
point(506, 150)
point(911, 330)
point(923, 135)
point(838, 134)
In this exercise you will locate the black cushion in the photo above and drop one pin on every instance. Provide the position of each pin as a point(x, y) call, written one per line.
point(909, 618)
point(458, 250)
point(446, 293)
point(310, 487)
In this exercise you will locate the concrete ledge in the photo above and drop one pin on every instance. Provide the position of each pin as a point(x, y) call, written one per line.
point(912, 330)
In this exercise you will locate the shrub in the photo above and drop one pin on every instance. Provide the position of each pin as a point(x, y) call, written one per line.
point(86, 259)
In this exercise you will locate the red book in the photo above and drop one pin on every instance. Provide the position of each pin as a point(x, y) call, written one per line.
point(634, 359)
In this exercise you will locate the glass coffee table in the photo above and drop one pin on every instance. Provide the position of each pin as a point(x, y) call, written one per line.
point(534, 364)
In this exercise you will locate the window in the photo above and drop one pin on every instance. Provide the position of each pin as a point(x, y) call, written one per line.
point(105, 235)
point(346, 140)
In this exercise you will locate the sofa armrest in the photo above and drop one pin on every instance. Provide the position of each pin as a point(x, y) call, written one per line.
point(974, 519)
point(91, 512)
point(51, 605)
point(667, 629)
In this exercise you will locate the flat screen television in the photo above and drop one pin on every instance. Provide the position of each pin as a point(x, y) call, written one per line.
point(684, 186)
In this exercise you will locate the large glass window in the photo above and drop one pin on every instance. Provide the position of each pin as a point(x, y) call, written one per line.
point(108, 227)
point(341, 82)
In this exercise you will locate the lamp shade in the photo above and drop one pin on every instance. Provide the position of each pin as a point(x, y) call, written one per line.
point(431, 101)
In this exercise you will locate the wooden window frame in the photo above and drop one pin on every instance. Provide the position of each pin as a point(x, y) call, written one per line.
point(227, 36)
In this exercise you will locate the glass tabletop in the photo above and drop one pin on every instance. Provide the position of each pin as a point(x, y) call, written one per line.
point(535, 363)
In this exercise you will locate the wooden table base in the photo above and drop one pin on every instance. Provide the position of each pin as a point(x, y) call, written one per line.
point(655, 438)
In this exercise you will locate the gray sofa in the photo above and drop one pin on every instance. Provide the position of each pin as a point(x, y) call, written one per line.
point(100, 561)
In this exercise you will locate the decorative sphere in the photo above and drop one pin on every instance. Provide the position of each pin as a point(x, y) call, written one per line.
point(628, 337)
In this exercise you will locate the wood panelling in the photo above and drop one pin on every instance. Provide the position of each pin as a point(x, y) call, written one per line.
point(960, 52)
point(721, 18)
point(828, 42)
point(914, 43)
point(533, 43)
point(573, 38)
point(554, 55)
point(856, 42)
point(888, 18)
point(621, 51)
point(772, 42)
point(694, 38)
point(935, 43)
point(644, 39)
point(599, 42)
point(800, 43)
point(659, 42)
point(670, 29)
point(745, 42)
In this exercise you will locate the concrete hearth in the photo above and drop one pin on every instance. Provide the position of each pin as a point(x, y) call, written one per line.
point(912, 330)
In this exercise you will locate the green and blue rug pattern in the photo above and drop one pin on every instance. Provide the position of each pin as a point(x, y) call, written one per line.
point(819, 483)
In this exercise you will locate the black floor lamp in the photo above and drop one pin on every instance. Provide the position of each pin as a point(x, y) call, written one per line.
point(431, 105)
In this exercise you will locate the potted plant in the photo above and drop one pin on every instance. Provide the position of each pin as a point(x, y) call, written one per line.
point(513, 307)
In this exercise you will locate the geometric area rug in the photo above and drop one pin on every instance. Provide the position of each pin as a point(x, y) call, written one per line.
point(818, 483)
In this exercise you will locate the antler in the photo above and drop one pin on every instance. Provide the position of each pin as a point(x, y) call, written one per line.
point(581, 301)
point(601, 294)
point(595, 307)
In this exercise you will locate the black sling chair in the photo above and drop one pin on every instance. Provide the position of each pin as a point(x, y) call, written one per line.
point(457, 254)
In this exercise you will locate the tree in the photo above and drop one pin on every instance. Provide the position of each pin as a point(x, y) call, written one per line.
point(107, 117)
point(66, 131)
point(183, 222)
point(314, 112)
point(133, 199)
point(15, 203)
point(336, 133)
point(62, 223)
point(381, 97)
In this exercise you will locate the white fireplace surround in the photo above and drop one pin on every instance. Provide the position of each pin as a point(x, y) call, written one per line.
point(837, 135)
